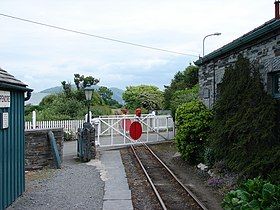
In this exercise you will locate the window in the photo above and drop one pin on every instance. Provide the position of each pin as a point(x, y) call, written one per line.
point(276, 85)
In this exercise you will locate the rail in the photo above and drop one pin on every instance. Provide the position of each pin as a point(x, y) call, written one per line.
point(186, 189)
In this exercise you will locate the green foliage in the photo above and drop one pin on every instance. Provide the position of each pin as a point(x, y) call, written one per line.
point(208, 156)
point(193, 124)
point(253, 194)
point(29, 109)
point(183, 96)
point(244, 130)
point(72, 104)
point(66, 87)
point(146, 96)
point(98, 110)
point(106, 95)
point(81, 81)
point(181, 81)
point(57, 107)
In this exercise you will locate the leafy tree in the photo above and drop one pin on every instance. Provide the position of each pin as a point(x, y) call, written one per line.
point(183, 96)
point(72, 104)
point(181, 81)
point(66, 87)
point(244, 130)
point(145, 96)
point(106, 95)
point(81, 81)
point(151, 100)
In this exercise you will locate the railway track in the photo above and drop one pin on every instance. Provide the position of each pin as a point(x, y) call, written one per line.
point(169, 190)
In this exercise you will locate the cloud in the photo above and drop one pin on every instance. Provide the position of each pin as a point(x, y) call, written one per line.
point(42, 57)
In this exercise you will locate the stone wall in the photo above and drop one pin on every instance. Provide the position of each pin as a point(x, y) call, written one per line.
point(265, 52)
point(38, 152)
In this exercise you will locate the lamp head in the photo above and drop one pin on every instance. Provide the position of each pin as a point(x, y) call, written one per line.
point(88, 92)
point(217, 34)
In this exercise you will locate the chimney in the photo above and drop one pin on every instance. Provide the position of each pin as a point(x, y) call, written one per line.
point(277, 15)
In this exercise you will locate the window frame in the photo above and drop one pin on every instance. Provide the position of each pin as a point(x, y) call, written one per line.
point(276, 82)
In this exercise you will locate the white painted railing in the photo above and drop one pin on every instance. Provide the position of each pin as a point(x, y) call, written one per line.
point(150, 122)
point(68, 125)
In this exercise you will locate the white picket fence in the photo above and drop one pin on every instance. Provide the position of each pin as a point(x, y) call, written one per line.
point(68, 125)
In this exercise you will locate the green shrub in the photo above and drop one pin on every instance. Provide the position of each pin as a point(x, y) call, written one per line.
point(193, 123)
point(253, 194)
point(244, 129)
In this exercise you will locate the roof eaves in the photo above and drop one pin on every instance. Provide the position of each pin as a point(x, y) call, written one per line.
point(254, 34)
point(9, 86)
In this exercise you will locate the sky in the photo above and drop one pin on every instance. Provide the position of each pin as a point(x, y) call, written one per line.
point(42, 57)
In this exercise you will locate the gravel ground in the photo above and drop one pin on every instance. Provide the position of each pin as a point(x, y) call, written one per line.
point(143, 197)
point(75, 186)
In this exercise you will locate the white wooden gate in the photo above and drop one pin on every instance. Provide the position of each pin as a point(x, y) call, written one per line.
point(113, 130)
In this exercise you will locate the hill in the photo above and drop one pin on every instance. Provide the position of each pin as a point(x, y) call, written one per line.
point(36, 98)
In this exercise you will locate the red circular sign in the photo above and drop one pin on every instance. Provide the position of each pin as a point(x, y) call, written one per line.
point(135, 130)
point(126, 123)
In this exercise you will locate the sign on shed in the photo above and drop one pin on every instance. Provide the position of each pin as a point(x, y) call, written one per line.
point(4, 99)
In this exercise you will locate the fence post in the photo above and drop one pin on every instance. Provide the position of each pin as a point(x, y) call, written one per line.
point(87, 150)
point(34, 119)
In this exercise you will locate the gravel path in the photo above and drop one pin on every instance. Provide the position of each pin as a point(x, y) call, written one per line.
point(75, 186)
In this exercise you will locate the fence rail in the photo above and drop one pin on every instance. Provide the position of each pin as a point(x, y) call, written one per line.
point(68, 125)
point(113, 130)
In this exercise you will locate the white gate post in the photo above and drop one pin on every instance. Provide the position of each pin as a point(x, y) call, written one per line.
point(34, 119)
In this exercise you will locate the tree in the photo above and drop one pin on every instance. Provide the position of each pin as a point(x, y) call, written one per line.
point(145, 96)
point(66, 87)
point(71, 103)
point(106, 95)
point(244, 130)
point(180, 97)
point(81, 81)
point(181, 81)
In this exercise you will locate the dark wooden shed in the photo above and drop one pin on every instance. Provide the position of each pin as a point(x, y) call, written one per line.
point(12, 172)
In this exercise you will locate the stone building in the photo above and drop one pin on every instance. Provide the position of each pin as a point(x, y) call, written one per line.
point(261, 45)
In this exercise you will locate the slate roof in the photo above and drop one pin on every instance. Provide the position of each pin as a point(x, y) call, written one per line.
point(257, 33)
point(5, 77)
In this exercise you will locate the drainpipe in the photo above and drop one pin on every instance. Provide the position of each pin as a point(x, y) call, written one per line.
point(214, 83)
point(28, 95)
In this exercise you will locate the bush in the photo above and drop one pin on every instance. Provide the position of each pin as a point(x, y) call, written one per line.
point(193, 123)
point(253, 194)
point(244, 129)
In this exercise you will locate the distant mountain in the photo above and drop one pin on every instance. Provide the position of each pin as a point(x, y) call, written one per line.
point(36, 98)
point(117, 94)
point(52, 90)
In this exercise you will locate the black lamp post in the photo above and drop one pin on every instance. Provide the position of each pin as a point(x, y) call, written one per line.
point(88, 93)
